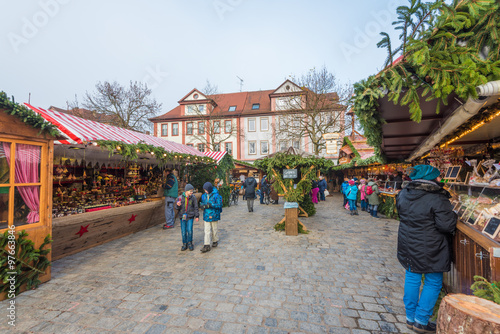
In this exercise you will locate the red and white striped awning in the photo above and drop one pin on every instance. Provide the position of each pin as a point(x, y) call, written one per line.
point(217, 156)
point(79, 130)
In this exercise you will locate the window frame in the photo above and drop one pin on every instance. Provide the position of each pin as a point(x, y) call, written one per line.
point(190, 145)
point(256, 106)
point(254, 124)
point(13, 184)
point(187, 128)
point(164, 126)
point(217, 127)
point(217, 147)
point(286, 145)
point(262, 119)
point(198, 147)
point(174, 135)
point(201, 127)
point(234, 108)
point(255, 147)
point(293, 143)
point(225, 147)
point(230, 126)
point(267, 144)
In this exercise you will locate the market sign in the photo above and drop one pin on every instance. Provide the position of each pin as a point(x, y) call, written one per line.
point(289, 173)
point(291, 205)
point(344, 160)
point(332, 144)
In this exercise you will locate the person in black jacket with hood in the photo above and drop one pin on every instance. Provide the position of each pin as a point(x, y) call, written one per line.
point(249, 185)
point(427, 223)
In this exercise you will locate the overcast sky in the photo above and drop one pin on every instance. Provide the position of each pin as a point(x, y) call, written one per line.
point(55, 49)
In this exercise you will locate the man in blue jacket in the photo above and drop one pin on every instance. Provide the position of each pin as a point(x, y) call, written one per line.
point(322, 187)
point(211, 202)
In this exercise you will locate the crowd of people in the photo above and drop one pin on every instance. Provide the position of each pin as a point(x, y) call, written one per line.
point(365, 191)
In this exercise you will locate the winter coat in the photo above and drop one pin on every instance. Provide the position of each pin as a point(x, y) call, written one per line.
point(344, 187)
point(192, 209)
point(352, 193)
point(213, 203)
point(249, 186)
point(373, 198)
point(427, 222)
point(322, 185)
point(314, 184)
point(170, 187)
point(273, 194)
point(362, 191)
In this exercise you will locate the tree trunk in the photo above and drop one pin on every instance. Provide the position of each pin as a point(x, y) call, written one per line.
point(463, 314)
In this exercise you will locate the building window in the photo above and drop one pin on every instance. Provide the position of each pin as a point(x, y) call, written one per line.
point(296, 144)
point(201, 147)
point(283, 145)
point(216, 126)
point(190, 145)
point(201, 128)
point(196, 109)
point(251, 124)
point(264, 124)
point(264, 147)
point(189, 128)
point(255, 106)
point(201, 108)
point(232, 108)
point(217, 147)
point(251, 147)
point(175, 129)
point(164, 130)
point(229, 148)
point(228, 126)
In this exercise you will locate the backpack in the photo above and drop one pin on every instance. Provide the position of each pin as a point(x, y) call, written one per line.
point(369, 190)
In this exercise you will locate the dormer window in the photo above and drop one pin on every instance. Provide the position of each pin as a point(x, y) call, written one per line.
point(232, 108)
point(255, 106)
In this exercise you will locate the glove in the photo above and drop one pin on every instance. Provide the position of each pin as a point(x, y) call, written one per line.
point(209, 205)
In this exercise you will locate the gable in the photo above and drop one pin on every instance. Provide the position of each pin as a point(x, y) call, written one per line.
point(193, 96)
point(287, 87)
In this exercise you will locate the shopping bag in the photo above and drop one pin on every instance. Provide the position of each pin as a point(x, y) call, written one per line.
point(326, 193)
point(347, 206)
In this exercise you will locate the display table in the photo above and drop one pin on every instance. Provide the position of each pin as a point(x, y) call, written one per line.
point(72, 234)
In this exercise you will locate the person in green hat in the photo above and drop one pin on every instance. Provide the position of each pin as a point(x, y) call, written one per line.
point(427, 222)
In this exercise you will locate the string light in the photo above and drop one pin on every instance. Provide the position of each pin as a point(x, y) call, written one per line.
point(474, 128)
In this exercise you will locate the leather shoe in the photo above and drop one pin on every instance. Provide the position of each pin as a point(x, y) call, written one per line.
point(215, 244)
point(205, 249)
point(409, 324)
point(429, 328)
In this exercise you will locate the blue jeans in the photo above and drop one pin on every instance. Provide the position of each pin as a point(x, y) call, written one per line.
point(321, 195)
point(372, 207)
point(187, 230)
point(352, 204)
point(364, 205)
point(419, 306)
point(345, 200)
point(169, 211)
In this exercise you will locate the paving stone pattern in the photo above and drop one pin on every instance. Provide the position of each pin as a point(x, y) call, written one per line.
point(343, 277)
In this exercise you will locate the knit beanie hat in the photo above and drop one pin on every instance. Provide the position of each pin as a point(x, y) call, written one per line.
point(351, 182)
point(208, 187)
point(424, 172)
point(188, 187)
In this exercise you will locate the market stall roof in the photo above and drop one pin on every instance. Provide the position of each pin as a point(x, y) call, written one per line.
point(217, 156)
point(358, 145)
point(76, 130)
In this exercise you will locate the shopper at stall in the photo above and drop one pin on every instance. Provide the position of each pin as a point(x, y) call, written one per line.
point(322, 187)
point(343, 190)
point(363, 196)
point(211, 203)
point(187, 204)
point(170, 192)
point(372, 193)
point(249, 186)
point(263, 189)
point(352, 195)
point(314, 192)
point(427, 222)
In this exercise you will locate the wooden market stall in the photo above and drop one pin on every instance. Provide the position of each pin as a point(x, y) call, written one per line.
point(25, 188)
point(107, 181)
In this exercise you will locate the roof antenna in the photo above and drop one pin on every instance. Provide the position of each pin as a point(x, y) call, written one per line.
point(241, 83)
point(29, 98)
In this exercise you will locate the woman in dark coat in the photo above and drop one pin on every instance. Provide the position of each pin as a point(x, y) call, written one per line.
point(273, 194)
point(427, 222)
point(249, 186)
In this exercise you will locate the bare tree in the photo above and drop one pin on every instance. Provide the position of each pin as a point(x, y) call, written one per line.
point(209, 123)
point(124, 107)
point(317, 109)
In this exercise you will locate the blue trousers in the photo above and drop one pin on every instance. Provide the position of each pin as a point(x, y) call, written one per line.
point(364, 204)
point(322, 195)
point(352, 204)
point(419, 306)
point(187, 230)
point(345, 200)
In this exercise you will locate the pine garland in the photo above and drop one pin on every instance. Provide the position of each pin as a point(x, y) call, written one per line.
point(29, 262)
point(27, 116)
point(445, 60)
point(484, 289)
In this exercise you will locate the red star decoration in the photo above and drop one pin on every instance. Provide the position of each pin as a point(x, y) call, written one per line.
point(131, 219)
point(82, 230)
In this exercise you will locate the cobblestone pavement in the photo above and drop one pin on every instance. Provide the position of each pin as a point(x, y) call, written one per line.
point(343, 277)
